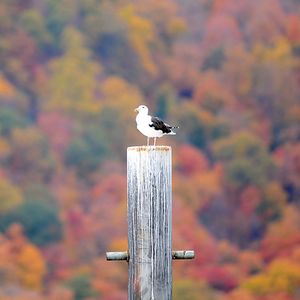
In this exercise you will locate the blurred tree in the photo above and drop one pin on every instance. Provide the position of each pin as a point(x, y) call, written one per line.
point(191, 161)
point(165, 97)
point(246, 159)
point(119, 100)
point(287, 159)
point(282, 275)
point(273, 201)
point(141, 34)
point(7, 90)
point(212, 95)
point(30, 266)
point(222, 31)
point(34, 23)
point(5, 149)
point(167, 21)
point(10, 119)
point(214, 60)
point(66, 89)
point(10, 196)
point(81, 285)
point(275, 67)
point(58, 15)
point(238, 72)
point(40, 220)
point(39, 193)
point(88, 151)
point(282, 236)
point(107, 34)
point(30, 157)
point(196, 124)
point(192, 290)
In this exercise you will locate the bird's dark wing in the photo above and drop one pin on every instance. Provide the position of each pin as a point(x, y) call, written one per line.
point(158, 124)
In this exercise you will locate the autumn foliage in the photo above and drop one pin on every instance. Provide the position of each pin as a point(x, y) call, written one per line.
point(226, 72)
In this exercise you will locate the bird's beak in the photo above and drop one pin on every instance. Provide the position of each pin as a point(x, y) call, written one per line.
point(136, 109)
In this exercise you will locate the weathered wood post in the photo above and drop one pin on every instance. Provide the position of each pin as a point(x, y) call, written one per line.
point(149, 211)
point(149, 222)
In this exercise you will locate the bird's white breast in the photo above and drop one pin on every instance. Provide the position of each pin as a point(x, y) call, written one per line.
point(143, 122)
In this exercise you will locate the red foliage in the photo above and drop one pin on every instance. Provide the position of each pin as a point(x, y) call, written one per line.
point(220, 277)
point(191, 160)
point(221, 30)
point(293, 29)
point(274, 247)
point(58, 129)
point(249, 199)
point(112, 188)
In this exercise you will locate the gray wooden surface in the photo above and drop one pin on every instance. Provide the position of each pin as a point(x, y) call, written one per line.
point(149, 222)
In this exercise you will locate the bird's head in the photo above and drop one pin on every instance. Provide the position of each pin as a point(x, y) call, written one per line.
point(142, 109)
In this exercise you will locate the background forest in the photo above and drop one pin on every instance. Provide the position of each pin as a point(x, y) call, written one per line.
point(226, 71)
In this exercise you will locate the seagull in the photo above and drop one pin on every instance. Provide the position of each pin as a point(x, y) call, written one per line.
point(151, 127)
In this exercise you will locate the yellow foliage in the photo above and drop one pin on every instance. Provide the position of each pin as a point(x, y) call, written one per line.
point(10, 196)
point(282, 275)
point(31, 267)
point(176, 26)
point(275, 193)
point(6, 88)
point(73, 84)
point(141, 34)
point(120, 95)
point(280, 52)
point(4, 148)
point(238, 294)
point(287, 226)
point(237, 68)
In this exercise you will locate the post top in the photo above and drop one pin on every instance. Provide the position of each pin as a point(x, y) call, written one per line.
point(149, 148)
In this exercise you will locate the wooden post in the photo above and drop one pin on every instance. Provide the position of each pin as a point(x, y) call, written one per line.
point(149, 223)
point(149, 209)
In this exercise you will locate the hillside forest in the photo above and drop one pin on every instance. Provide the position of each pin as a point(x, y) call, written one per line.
point(226, 72)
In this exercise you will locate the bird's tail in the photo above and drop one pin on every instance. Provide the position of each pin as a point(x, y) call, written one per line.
point(172, 132)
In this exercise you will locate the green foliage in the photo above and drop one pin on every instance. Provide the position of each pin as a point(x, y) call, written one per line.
point(214, 60)
point(39, 193)
point(192, 127)
point(165, 98)
point(58, 15)
point(81, 286)
point(246, 159)
point(85, 153)
point(192, 290)
point(9, 119)
point(241, 173)
point(273, 202)
point(106, 33)
point(40, 220)
point(34, 23)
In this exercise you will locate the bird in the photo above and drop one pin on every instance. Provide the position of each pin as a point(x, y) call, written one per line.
point(151, 127)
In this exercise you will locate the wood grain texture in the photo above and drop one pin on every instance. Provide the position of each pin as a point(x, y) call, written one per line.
point(149, 222)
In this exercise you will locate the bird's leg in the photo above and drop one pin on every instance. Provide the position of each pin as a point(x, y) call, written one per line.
point(154, 141)
point(147, 141)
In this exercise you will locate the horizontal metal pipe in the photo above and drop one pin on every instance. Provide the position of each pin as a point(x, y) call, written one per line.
point(117, 255)
point(183, 254)
point(179, 254)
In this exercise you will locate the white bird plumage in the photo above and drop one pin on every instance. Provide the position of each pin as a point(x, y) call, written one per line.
point(151, 127)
